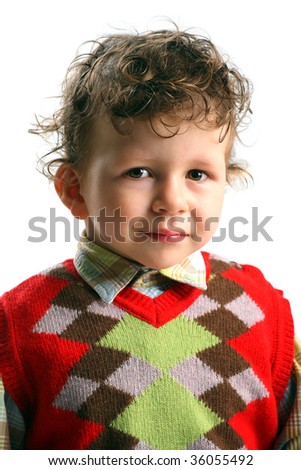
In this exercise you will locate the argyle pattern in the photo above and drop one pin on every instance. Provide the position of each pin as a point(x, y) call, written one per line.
point(173, 387)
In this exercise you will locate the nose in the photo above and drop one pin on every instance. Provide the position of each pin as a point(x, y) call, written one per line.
point(170, 198)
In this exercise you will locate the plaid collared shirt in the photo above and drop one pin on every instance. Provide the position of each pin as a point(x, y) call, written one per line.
point(108, 273)
point(290, 406)
point(4, 434)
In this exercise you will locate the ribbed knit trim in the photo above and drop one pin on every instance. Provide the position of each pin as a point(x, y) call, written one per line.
point(284, 348)
point(13, 369)
point(160, 310)
point(163, 308)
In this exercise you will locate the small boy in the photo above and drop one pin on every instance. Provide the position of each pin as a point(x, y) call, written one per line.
point(144, 341)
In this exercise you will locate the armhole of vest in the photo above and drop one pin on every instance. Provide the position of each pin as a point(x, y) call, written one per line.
point(12, 371)
point(284, 347)
point(283, 334)
point(206, 258)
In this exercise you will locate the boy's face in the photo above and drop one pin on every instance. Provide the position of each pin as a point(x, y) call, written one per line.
point(152, 199)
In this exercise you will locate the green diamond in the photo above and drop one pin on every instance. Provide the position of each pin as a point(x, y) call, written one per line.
point(166, 416)
point(163, 347)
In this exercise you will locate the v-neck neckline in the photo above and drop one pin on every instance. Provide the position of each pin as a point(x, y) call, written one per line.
point(159, 310)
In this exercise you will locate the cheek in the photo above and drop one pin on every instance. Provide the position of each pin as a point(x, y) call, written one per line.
point(129, 204)
point(103, 198)
point(210, 204)
point(208, 214)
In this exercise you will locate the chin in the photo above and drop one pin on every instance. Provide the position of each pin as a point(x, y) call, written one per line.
point(150, 262)
point(158, 258)
point(162, 263)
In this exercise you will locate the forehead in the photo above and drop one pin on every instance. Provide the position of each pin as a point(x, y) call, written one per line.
point(162, 130)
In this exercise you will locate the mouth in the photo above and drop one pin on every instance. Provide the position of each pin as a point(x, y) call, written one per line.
point(165, 235)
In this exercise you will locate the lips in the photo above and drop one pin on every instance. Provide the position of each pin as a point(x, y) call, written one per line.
point(170, 233)
point(165, 235)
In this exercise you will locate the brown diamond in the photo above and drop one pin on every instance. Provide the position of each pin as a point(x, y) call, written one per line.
point(99, 363)
point(219, 266)
point(224, 437)
point(89, 328)
point(112, 439)
point(222, 323)
point(223, 400)
point(223, 290)
point(223, 360)
point(104, 405)
point(72, 295)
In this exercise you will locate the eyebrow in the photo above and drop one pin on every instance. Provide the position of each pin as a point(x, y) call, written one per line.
point(202, 159)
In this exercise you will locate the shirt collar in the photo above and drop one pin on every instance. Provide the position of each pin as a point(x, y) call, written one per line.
point(108, 273)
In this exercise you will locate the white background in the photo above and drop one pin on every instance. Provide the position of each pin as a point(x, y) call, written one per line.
point(38, 41)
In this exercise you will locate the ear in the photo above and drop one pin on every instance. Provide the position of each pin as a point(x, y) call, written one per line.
point(67, 186)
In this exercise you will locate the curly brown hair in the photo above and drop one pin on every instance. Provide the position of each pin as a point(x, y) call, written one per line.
point(125, 76)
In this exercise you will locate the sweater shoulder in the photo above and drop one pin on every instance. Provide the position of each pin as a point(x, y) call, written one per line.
point(43, 284)
point(248, 283)
point(219, 265)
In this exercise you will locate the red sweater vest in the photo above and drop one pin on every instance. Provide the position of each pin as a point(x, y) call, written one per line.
point(186, 370)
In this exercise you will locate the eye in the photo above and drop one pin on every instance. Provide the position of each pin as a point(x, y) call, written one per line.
point(197, 175)
point(137, 173)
